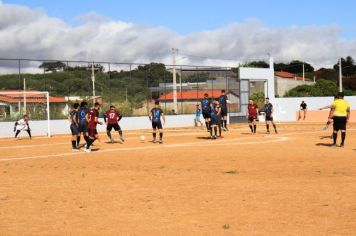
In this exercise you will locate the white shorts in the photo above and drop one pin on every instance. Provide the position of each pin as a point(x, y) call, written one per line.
point(21, 127)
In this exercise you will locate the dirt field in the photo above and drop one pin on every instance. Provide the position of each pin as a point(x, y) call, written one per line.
point(289, 183)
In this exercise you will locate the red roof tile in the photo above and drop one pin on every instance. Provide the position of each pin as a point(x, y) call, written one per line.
point(190, 95)
point(15, 96)
point(287, 75)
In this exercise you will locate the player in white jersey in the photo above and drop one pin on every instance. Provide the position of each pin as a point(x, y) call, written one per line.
point(22, 124)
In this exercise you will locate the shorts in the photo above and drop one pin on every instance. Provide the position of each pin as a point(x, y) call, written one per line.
point(156, 125)
point(206, 115)
point(74, 129)
point(116, 127)
point(92, 132)
point(83, 127)
point(223, 112)
point(339, 123)
point(269, 118)
point(215, 120)
point(252, 118)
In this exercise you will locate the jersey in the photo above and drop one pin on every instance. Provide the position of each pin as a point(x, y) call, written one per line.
point(112, 116)
point(74, 117)
point(205, 104)
point(81, 114)
point(213, 111)
point(268, 109)
point(303, 106)
point(92, 118)
point(252, 110)
point(156, 114)
point(197, 113)
point(223, 101)
point(341, 107)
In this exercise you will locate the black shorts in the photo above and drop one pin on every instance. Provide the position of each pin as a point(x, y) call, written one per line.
point(83, 127)
point(269, 118)
point(215, 120)
point(224, 111)
point(74, 129)
point(251, 119)
point(92, 132)
point(116, 127)
point(156, 125)
point(339, 123)
point(206, 115)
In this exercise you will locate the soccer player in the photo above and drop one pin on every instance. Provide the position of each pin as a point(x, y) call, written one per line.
point(92, 119)
point(340, 111)
point(83, 125)
point(155, 116)
point(205, 104)
point(252, 113)
point(197, 116)
point(223, 104)
point(214, 120)
point(269, 115)
point(22, 124)
point(74, 125)
point(218, 114)
point(112, 118)
point(303, 110)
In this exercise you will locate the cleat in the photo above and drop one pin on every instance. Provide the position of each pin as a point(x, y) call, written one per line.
point(112, 141)
point(342, 145)
point(211, 137)
point(267, 132)
point(160, 141)
point(87, 150)
point(214, 137)
point(333, 145)
point(154, 141)
point(122, 139)
point(75, 150)
point(276, 131)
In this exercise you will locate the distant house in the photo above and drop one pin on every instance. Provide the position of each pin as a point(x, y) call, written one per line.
point(187, 100)
point(12, 103)
point(285, 81)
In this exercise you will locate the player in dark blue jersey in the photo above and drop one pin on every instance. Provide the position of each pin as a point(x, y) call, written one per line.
point(223, 101)
point(206, 108)
point(83, 125)
point(74, 125)
point(268, 108)
point(155, 116)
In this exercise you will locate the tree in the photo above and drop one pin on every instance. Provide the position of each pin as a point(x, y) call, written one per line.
point(348, 66)
point(320, 88)
point(256, 64)
point(295, 67)
point(53, 66)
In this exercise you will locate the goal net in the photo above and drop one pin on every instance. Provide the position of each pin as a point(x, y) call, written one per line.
point(15, 104)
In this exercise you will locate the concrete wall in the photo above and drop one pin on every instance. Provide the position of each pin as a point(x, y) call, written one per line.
point(284, 85)
point(39, 128)
point(285, 108)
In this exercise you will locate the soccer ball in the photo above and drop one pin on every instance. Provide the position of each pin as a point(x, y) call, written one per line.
point(142, 138)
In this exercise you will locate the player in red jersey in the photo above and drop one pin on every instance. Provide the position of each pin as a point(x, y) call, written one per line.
point(92, 119)
point(112, 118)
point(252, 114)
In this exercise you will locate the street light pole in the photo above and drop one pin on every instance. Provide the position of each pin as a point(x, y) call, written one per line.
point(340, 76)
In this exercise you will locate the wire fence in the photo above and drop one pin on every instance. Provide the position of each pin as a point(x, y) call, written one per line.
point(131, 87)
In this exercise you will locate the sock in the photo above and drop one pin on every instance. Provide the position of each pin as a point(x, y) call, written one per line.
point(160, 135)
point(254, 128)
point(17, 133)
point(207, 125)
point(267, 126)
point(274, 126)
point(109, 134)
point(251, 128)
point(219, 130)
point(90, 143)
point(335, 137)
point(343, 136)
point(120, 133)
point(154, 135)
point(222, 123)
point(29, 133)
point(74, 143)
point(86, 138)
point(78, 140)
point(215, 131)
point(225, 124)
point(211, 131)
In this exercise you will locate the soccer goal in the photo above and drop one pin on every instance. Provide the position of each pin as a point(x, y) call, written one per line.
point(35, 104)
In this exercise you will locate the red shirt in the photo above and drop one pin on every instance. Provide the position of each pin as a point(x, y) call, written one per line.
point(112, 116)
point(92, 115)
point(252, 110)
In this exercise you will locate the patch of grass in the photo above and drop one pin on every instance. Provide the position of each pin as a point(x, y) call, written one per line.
point(226, 226)
point(232, 172)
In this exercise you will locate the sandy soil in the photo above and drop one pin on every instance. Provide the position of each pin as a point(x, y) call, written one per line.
point(291, 183)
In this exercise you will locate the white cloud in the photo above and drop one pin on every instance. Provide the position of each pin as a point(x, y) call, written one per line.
point(30, 33)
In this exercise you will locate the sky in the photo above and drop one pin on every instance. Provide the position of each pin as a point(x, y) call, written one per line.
point(208, 32)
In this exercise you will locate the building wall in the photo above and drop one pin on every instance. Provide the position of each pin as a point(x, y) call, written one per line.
point(283, 85)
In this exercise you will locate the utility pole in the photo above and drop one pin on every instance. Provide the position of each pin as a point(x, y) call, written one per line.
point(303, 73)
point(24, 96)
point(93, 81)
point(175, 106)
point(340, 75)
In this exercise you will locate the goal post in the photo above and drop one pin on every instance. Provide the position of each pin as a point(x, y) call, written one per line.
point(35, 104)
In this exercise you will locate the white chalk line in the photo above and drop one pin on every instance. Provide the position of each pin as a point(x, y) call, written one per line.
point(210, 142)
